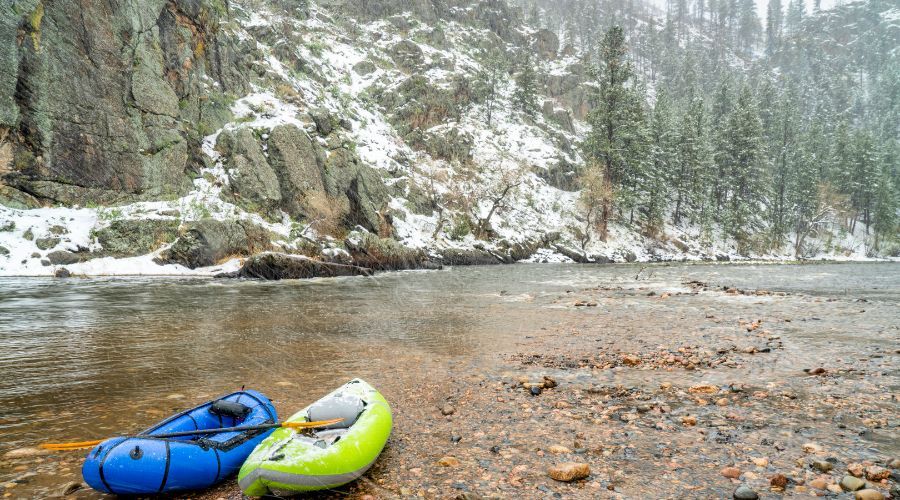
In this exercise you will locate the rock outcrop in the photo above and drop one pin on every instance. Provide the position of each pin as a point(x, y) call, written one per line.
point(207, 242)
point(108, 101)
point(279, 266)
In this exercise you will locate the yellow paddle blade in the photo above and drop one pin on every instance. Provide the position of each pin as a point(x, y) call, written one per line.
point(70, 446)
point(311, 425)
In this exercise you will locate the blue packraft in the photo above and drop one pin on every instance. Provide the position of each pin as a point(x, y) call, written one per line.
point(144, 464)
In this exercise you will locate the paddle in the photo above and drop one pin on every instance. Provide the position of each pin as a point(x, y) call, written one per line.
point(78, 445)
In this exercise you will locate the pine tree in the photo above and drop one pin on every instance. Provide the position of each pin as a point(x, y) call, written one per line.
point(885, 210)
point(490, 80)
point(774, 25)
point(721, 110)
point(615, 143)
point(663, 159)
point(864, 182)
point(525, 94)
point(749, 27)
point(795, 13)
point(745, 159)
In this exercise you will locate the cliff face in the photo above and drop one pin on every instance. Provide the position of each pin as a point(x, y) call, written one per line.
point(108, 101)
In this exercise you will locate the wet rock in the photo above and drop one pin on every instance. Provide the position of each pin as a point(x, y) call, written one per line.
point(877, 473)
point(689, 420)
point(448, 461)
point(569, 471)
point(70, 488)
point(744, 492)
point(46, 243)
point(760, 462)
point(820, 483)
point(549, 382)
point(731, 472)
point(26, 453)
point(850, 483)
point(535, 390)
point(821, 465)
point(894, 464)
point(448, 409)
point(279, 266)
point(812, 448)
point(557, 449)
point(869, 494)
point(856, 469)
point(704, 389)
point(62, 273)
point(779, 481)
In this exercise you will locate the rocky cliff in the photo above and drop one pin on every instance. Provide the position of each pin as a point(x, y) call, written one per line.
point(191, 132)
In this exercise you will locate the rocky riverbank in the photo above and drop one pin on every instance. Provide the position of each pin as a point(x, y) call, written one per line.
point(726, 395)
point(630, 388)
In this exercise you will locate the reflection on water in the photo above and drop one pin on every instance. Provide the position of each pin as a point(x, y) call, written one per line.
point(89, 354)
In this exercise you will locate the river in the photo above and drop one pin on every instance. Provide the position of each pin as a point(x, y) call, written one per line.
point(87, 358)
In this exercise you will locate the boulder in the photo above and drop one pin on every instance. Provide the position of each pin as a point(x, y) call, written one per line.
point(364, 68)
point(279, 266)
point(323, 120)
point(130, 237)
point(464, 257)
point(383, 254)
point(65, 258)
point(206, 242)
point(407, 55)
point(545, 43)
point(297, 164)
point(345, 176)
point(254, 183)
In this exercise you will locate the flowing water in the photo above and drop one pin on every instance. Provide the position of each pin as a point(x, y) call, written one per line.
point(84, 358)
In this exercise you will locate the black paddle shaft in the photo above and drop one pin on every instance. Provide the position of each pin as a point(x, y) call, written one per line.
point(220, 430)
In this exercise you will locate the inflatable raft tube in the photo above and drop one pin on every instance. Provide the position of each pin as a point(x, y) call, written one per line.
point(143, 464)
point(290, 462)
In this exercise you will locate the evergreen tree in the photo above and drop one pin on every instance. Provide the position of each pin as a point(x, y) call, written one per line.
point(795, 13)
point(864, 171)
point(749, 27)
point(885, 223)
point(489, 81)
point(774, 25)
point(745, 159)
point(615, 142)
point(525, 94)
point(663, 159)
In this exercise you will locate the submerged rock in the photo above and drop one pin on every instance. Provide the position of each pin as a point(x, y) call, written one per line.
point(869, 494)
point(279, 266)
point(850, 483)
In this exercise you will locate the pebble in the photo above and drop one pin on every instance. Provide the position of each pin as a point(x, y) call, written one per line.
point(448, 409)
point(812, 448)
point(569, 471)
point(819, 483)
point(557, 449)
point(779, 481)
point(448, 462)
point(26, 452)
point(877, 473)
point(834, 488)
point(760, 462)
point(869, 494)
point(535, 390)
point(689, 420)
point(744, 492)
point(894, 464)
point(70, 488)
point(822, 465)
point(850, 483)
point(731, 472)
point(704, 389)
